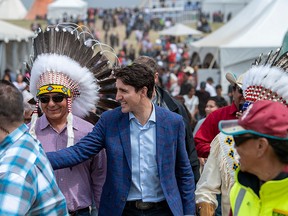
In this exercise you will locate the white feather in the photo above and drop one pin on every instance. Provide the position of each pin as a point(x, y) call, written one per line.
point(272, 78)
point(60, 63)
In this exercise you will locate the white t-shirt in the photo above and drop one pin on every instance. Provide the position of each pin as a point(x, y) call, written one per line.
point(209, 88)
point(20, 86)
point(191, 103)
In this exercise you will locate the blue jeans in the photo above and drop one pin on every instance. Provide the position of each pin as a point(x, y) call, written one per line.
point(218, 211)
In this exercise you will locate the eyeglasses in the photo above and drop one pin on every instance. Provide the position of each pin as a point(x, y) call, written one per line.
point(55, 98)
point(241, 139)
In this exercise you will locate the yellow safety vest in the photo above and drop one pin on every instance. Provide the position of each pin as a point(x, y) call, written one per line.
point(272, 199)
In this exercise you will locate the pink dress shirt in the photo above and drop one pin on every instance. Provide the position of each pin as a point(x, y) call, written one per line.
point(84, 181)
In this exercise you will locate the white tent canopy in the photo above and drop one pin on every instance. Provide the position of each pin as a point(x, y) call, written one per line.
point(74, 8)
point(225, 6)
point(12, 9)
point(258, 28)
point(180, 30)
point(9, 32)
point(15, 46)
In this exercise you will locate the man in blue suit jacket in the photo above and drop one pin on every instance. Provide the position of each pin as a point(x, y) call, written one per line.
point(147, 164)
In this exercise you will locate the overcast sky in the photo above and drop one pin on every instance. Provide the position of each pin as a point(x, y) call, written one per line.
point(98, 3)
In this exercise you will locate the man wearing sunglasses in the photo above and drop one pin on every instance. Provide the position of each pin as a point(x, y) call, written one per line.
point(51, 131)
point(261, 140)
point(223, 160)
point(66, 91)
point(212, 190)
point(209, 128)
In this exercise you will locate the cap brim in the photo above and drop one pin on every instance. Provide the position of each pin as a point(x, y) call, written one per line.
point(231, 127)
point(232, 79)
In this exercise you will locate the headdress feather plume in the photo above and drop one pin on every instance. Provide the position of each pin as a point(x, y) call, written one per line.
point(68, 50)
point(269, 80)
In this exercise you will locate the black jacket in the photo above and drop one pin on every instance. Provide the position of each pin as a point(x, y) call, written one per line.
point(175, 106)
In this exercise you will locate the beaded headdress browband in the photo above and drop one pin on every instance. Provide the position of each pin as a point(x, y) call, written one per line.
point(68, 60)
point(267, 80)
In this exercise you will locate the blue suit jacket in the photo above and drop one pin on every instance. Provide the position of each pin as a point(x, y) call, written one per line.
point(112, 132)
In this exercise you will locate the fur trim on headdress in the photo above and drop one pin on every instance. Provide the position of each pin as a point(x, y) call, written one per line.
point(82, 79)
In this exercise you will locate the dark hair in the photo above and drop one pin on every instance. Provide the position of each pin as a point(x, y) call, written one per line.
point(280, 148)
point(209, 79)
point(138, 76)
point(7, 70)
point(219, 101)
point(11, 106)
point(148, 61)
point(7, 75)
point(218, 86)
point(203, 85)
point(189, 87)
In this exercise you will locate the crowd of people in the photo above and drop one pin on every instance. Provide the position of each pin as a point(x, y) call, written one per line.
point(160, 142)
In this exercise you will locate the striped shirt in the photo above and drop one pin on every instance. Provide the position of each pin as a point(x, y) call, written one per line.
point(27, 183)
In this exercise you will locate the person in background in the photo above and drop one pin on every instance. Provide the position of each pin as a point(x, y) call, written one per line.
point(218, 175)
point(186, 84)
point(174, 88)
point(19, 83)
point(27, 182)
point(191, 101)
point(203, 97)
point(7, 75)
point(191, 78)
point(219, 94)
point(29, 105)
point(213, 104)
point(229, 94)
point(163, 99)
point(209, 128)
point(209, 87)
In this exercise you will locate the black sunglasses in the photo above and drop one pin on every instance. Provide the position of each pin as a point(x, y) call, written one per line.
point(55, 98)
point(238, 140)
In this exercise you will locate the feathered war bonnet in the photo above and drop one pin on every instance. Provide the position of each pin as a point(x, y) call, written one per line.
point(267, 79)
point(68, 60)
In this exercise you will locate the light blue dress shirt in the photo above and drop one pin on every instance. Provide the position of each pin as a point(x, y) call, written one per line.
point(145, 178)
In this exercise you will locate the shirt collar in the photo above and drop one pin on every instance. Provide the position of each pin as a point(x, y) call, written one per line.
point(152, 117)
point(157, 98)
point(13, 137)
point(44, 123)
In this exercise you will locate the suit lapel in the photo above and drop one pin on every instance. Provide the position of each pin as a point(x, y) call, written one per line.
point(124, 129)
point(160, 135)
